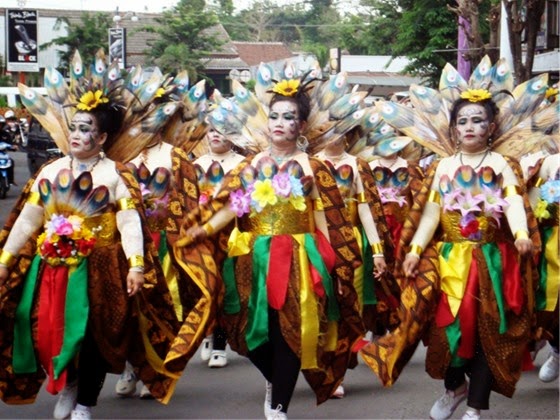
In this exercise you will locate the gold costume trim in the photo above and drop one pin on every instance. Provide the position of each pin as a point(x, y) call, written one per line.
point(521, 234)
point(136, 261)
point(318, 204)
point(208, 228)
point(539, 182)
point(34, 198)
point(7, 258)
point(126, 203)
point(352, 207)
point(280, 219)
point(511, 190)
point(377, 248)
point(361, 197)
point(434, 197)
point(108, 234)
point(487, 226)
point(416, 249)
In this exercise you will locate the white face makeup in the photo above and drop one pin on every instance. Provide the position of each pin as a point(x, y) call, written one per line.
point(85, 141)
point(217, 142)
point(473, 128)
point(283, 121)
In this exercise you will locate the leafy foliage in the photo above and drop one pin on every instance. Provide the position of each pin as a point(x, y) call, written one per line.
point(88, 36)
point(184, 37)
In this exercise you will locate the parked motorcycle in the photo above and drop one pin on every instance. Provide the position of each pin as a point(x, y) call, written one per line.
point(6, 163)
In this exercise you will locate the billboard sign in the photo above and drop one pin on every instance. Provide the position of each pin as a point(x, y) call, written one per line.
point(117, 46)
point(21, 40)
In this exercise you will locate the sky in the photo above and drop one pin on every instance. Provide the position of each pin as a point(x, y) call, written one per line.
point(107, 5)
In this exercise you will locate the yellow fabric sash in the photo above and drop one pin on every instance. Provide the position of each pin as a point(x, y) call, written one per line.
point(359, 272)
point(172, 284)
point(454, 273)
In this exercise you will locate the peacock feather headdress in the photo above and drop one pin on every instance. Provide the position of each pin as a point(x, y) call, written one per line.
point(525, 122)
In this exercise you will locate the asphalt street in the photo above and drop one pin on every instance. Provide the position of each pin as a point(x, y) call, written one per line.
point(237, 391)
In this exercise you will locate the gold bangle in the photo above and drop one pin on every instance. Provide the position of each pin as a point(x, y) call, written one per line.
point(511, 190)
point(136, 261)
point(539, 182)
point(6, 258)
point(208, 228)
point(361, 197)
point(434, 197)
point(318, 205)
point(416, 249)
point(34, 198)
point(377, 248)
point(126, 203)
point(521, 234)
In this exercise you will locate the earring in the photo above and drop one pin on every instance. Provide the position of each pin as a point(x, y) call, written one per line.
point(302, 143)
point(490, 142)
point(101, 155)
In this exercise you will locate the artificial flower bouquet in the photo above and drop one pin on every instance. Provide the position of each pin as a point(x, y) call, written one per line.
point(281, 188)
point(391, 195)
point(154, 203)
point(66, 240)
point(488, 203)
point(547, 206)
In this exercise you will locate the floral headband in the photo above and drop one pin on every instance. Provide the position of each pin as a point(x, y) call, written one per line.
point(476, 95)
point(287, 87)
point(91, 100)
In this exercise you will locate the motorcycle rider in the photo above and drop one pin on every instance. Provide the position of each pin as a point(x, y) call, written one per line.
point(6, 136)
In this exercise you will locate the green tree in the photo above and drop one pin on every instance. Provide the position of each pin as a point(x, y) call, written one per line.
point(427, 35)
point(371, 31)
point(185, 38)
point(87, 36)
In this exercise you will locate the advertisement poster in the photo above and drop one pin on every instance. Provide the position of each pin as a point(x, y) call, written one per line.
point(21, 38)
point(117, 46)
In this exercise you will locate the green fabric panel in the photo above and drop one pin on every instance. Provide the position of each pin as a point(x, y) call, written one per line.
point(494, 263)
point(540, 295)
point(232, 303)
point(257, 322)
point(369, 297)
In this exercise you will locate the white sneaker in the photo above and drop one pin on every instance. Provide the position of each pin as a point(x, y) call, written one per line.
point(444, 407)
point(549, 369)
point(126, 385)
point(471, 414)
point(218, 359)
point(268, 400)
point(145, 393)
point(66, 401)
point(538, 346)
point(207, 345)
point(277, 414)
point(82, 413)
point(338, 393)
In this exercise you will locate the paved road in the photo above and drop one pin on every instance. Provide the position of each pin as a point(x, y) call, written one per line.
point(237, 391)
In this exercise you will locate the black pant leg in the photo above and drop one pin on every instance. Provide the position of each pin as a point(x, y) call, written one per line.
point(92, 369)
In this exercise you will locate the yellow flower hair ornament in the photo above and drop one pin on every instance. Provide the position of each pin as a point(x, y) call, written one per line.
point(287, 87)
point(91, 100)
point(476, 95)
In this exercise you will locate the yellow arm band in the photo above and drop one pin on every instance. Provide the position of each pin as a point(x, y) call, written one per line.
point(6, 258)
point(377, 248)
point(318, 205)
point(208, 228)
point(539, 182)
point(434, 197)
point(34, 198)
point(126, 203)
point(416, 249)
point(521, 234)
point(361, 197)
point(511, 190)
point(136, 261)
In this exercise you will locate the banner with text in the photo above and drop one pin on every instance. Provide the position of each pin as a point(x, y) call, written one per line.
point(21, 40)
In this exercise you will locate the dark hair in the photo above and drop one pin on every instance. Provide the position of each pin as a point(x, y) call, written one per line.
point(301, 100)
point(109, 120)
point(488, 104)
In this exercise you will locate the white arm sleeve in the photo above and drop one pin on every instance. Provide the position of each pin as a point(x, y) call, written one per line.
point(515, 212)
point(29, 220)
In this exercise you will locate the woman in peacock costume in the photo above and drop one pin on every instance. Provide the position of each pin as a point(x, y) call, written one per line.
point(469, 236)
point(397, 176)
point(544, 194)
point(290, 304)
point(168, 182)
point(357, 186)
point(79, 284)
point(211, 168)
